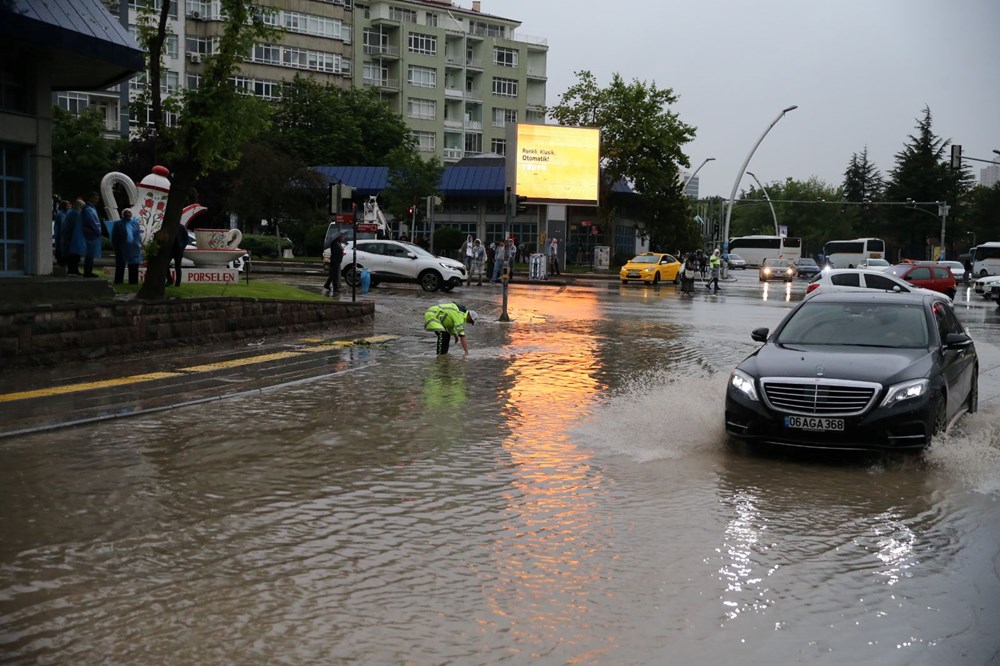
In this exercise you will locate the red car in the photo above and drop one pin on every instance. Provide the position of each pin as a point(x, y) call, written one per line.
point(929, 276)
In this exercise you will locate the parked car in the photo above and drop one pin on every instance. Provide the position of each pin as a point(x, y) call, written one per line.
point(856, 370)
point(957, 269)
point(652, 267)
point(983, 285)
point(736, 261)
point(874, 264)
point(775, 269)
point(929, 276)
point(851, 279)
point(807, 268)
point(396, 261)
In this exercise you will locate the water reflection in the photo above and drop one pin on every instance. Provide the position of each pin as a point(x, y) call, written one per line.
point(775, 293)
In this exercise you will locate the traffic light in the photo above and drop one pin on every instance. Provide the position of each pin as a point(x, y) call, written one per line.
point(409, 211)
point(520, 205)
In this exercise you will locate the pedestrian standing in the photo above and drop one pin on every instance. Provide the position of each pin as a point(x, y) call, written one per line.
point(92, 234)
point(127, 244)
point(181, 241)
point(715, 266)
point(478, 262)
point(690, 270)
point(61, 212)
point(499, 256)
point(554, 256)
point(74, 245)
point(447, 320)
point(511, 258)
point(332, 285)
point(466, 251)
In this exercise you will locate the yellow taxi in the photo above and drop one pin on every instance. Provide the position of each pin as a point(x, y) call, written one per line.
point(652, 267)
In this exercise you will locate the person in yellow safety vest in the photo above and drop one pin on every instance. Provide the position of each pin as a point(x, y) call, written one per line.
point(715, 265)
point(447, 320)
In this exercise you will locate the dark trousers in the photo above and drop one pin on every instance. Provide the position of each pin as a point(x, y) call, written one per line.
point(178, 259)
point(88, 265)
point(443, 341)
point(555, 265)
point(73, 264)
point(133, 272)
point(333, 279)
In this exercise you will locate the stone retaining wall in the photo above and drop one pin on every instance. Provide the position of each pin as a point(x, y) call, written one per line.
point(35, 335)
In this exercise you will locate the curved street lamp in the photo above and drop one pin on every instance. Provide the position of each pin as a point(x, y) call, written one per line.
point(739, 176)
point(689, 178)
point(767, 198)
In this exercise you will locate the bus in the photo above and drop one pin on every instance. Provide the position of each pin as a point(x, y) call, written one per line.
point(849, 253)
point(755, 249)
point(985, 259)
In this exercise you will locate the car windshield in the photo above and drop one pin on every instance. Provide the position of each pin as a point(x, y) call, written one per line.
point(876, 262)
point(645, 259)
point(863, 324)
point(806, 262)
point(735, 257)
point(953, 264)
point(776, 263)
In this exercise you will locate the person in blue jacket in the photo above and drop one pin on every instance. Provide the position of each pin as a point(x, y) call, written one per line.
point(74, 245)
point(126, 239)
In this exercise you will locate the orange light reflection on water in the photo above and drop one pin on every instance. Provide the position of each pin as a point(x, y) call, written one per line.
point(547, 558)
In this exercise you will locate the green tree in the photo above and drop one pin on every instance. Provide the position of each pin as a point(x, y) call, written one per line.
point(215, 122)
point(641, 143)
point(324, 125)
point(81, 154)
point(922, 174)
point(863, 183)
point(411, 180)
point(810, 209)
point(978, 220)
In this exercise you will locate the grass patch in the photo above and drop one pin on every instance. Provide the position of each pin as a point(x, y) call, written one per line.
point(255, 289)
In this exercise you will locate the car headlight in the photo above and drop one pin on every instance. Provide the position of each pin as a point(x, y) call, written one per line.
point(743, 383)
point(651, 269)
point(905, 391)
point(767, 271)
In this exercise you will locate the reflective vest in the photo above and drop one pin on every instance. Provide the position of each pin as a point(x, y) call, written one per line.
point(445, 317)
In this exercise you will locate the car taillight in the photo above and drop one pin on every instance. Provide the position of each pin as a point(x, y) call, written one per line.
point(813, 287)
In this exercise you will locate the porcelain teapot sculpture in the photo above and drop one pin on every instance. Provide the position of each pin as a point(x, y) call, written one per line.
point(151, 193)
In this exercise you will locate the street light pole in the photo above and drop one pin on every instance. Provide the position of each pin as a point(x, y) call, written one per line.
point(739, 174)
point(767, 198)
point(689, 178)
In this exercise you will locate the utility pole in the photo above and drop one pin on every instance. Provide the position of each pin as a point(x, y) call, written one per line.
point(505, 271)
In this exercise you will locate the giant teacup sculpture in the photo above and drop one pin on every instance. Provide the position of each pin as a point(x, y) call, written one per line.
point(152, 193)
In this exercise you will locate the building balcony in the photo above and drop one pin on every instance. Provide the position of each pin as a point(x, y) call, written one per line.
point(454, 93)
point(385, 85)
point(474, 125)
point(474, 63)
point(452, 154)
point(382, 50)
point(536, 73)
point(453, 124)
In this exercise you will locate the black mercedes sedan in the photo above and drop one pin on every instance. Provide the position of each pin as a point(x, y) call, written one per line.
point(856, 371)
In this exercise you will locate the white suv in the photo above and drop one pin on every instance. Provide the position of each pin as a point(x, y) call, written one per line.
point(396, 261)
point(844, 279)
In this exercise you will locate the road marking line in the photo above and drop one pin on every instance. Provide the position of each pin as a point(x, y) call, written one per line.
point(208, 367)
point(86, 386)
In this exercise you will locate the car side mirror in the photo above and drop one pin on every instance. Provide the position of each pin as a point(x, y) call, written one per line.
point(896, 288)
point(957, 341)
point(909, 278)
point(760, 334)
point(410, 255)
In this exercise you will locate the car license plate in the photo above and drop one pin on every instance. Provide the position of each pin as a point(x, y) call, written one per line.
point(633, 274)
point(813, 423)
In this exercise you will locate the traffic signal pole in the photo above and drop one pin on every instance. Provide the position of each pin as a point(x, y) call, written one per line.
point(504, 317)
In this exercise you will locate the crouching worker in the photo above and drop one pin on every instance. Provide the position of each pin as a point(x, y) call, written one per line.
point(447, 320)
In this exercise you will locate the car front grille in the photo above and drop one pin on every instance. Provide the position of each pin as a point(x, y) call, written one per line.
point(819, 397)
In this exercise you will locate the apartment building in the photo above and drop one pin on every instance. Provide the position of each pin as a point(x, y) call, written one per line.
point(457, 76)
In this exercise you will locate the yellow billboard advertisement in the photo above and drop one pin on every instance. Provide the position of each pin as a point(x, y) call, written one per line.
point(554, 164)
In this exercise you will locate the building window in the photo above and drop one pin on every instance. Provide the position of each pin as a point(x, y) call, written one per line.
point(402, 15)
point(486, 29)
point(268, 54)
point(425, 142)
point(504, 87)
point(13, 208)
point(501, 117)
point(155, 5)
point(504, 57)
point(200, 45)
point(422, 77)
point(203, 9)
point(473, 142)
point(170, 45)
point(310, 24)
point(169, 83)
point(498, 146)
point(431, 19)
point(426, 44)
point(73, 102)
point(376, 74)
point(424, 109)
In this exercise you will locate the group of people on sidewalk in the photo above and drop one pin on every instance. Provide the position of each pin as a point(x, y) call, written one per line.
point(77, 232)
point(695, 264)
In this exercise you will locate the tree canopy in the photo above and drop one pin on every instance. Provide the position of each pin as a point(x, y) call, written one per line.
point(642, 143)
point(81, 153)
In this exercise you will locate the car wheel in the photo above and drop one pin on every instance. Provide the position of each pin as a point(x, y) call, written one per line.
point(351, 276)
point(656, 278)
point(983, 273)
point(950, 294)
point(430, 280)
point(447, 287)
point(972, 402)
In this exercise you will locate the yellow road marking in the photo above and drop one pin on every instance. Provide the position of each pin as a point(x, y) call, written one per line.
point(85, 386)
point(208, 367)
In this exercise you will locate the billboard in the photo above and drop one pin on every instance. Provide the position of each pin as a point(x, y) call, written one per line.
point(553, 163)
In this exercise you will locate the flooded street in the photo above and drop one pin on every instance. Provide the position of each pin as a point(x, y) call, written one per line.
point(563, 495)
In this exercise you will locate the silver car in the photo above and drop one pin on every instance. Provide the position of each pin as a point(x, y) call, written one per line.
point(396, 261)
point(848, 279)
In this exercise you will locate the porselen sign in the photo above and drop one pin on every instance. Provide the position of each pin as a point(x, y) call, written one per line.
point(553, 163)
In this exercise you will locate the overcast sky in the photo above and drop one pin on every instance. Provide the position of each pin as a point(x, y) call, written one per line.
point(860, 71)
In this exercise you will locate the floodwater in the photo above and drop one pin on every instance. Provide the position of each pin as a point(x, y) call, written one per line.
point(563, 495)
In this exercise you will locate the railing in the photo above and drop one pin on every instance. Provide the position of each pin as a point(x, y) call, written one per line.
point(473, 125)
point(453, 153)
point(380, 49)
point(389, 84)
point(454, 92)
